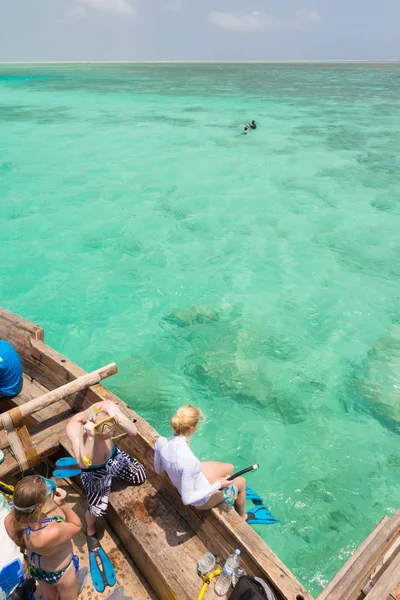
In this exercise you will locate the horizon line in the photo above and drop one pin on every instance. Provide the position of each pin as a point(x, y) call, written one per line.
point(295, 61)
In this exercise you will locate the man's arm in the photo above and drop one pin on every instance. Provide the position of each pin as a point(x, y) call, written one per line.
point(123, 421)
point(74, 433)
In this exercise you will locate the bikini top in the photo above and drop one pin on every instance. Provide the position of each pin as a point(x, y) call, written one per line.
point(47, 521)
point(56, 519)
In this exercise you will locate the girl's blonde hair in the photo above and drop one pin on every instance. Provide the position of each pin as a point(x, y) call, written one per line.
point(185, 418)
point(30, 491)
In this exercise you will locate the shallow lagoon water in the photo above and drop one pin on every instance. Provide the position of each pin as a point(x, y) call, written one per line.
point(254, 276)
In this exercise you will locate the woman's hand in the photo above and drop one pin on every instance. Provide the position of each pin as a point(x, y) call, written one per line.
point(111, 408)
point(224, 482)
point(88, 428)
point(59, 497)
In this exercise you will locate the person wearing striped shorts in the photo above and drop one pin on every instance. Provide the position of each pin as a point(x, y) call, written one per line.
point(91, 434)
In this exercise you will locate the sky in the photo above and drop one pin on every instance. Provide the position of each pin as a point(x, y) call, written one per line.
point(57, 30)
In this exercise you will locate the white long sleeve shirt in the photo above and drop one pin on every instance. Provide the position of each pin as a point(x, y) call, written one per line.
point(174, 456)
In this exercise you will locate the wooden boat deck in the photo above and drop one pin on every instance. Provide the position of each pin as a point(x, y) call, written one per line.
point(376, 560)
point(128, 575)
point(153, 540)
point(162, 537)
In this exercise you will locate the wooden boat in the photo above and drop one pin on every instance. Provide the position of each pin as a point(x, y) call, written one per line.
point(153, 540)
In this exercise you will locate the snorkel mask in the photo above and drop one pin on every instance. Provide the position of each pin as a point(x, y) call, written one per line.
point(105, 425)
point(50, 489)
point(102, 427)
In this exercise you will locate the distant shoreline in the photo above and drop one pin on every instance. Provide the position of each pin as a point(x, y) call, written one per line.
point(212, 62)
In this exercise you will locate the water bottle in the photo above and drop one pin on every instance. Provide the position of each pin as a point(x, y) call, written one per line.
point(225, 579)
point(230, 495)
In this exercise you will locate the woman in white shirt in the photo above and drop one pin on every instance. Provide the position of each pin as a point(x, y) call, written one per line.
point(199, 483)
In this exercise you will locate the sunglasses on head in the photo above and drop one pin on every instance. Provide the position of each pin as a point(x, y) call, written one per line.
point(50, 490)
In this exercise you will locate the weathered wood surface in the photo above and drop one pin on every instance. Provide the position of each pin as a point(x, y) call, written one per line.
point(352, 560)
point(48, 416)
point(386, 582)
point(350, 585)
point(18, 332)
point(128, 575)
point(46, 442)
point(82, 382)
point(160, 542)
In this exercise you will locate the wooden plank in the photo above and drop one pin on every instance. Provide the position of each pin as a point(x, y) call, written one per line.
point(32, 389)
point(19, 332)
point(352, 560)
point(56, 362)
point(386, 559)
point(46, 442)
point(350, 585)
point(387, 581)
point(46, 417)
point(82, 382)
point(128, 575)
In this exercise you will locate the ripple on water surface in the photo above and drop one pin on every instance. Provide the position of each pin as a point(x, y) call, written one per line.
point(254, 276)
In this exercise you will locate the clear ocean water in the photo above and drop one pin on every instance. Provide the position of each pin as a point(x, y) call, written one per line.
point(256, 277)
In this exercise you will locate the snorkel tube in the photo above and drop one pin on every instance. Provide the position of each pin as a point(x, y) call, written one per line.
point(243, 471)
point(91, 417)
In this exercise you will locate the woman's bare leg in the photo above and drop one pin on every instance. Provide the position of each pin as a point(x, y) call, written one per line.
point(240, 483)
point(215, 499)
point(215, 470)
point(47, 591)
point(68, 585)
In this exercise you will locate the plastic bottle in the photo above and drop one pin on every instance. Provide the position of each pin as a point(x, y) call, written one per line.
point(230, 495)
point(225, 579)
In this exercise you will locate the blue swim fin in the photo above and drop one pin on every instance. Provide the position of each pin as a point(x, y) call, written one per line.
point(260, 515)
point(67, 461)
point(101, 567)
point(65, 473)
point(255, 498)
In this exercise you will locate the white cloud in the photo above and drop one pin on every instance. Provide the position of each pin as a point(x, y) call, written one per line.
point(77, 12)
point(121, 7)
point(175, 5)
point(308, 16)
point(239, 21)
point(260, 21)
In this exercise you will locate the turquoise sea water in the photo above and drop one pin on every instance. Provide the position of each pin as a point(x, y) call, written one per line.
point(256, 277)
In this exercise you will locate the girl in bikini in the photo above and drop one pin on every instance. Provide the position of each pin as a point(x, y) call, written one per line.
point(199, 483)
point(46, 542)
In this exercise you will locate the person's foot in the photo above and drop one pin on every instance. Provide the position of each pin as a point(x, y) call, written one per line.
point(93, 543)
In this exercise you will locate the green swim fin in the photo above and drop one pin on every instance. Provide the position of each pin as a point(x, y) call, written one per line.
point(101, 567)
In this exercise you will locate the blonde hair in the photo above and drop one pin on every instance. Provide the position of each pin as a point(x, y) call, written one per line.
point(30, 491)
point(185, 418)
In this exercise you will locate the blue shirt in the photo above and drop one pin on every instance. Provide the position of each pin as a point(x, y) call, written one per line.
point(10, 370)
